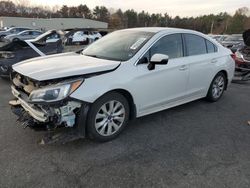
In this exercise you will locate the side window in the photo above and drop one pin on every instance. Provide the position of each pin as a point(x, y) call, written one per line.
point(36, 33)
point(13, 31)
point(195, 45)
point(25, 33)
point(211, 48)
point(21, 29)
point(170, 45)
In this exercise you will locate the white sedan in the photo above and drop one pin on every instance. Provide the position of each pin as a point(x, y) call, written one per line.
point(126, 74)
point(85, 36)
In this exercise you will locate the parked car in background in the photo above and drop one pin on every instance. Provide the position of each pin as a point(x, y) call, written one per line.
point(13, 30)
point(4, 28)
point(103, 33)
point(24, 35)
point(126, 74)
point(16, 51)
point(233, 42)
point(81, 36)
point(219, 38)
point(242, 59)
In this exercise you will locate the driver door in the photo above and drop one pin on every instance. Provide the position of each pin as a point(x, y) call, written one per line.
point(166, 84)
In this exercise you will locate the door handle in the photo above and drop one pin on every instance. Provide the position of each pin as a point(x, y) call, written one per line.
point(183, 67)
point(214, 61)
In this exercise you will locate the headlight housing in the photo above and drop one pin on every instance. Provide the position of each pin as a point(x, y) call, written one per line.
point(7, 55)
point(56, 92)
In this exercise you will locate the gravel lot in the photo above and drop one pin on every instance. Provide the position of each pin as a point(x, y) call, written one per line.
point(195, 145)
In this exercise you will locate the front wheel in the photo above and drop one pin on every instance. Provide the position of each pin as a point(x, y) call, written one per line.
point(107, 117)
point(2, 37)
point(217, 87)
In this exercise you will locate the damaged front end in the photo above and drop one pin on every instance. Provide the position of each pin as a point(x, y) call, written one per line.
point(47, 106)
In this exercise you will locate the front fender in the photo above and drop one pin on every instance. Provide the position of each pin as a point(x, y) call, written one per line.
point(96, 86)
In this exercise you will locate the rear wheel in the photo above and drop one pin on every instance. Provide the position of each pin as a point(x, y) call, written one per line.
point(217, 87)
point(16, 39)
point(107, 117)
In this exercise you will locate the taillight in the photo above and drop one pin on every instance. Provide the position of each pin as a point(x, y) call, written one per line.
point(238, 57)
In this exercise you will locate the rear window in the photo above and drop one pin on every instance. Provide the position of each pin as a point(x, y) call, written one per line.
point(195, 45)
point(211, 48)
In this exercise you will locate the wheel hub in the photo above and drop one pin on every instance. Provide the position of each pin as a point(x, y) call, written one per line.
point(109, 118)
point(218, 87)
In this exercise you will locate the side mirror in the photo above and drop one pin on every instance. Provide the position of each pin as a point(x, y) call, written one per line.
point(157, 59)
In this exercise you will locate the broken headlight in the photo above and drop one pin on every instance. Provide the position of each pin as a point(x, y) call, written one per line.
point(7, 55)
point(55, 92)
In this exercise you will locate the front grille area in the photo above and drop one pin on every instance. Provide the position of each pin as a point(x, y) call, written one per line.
point(23, 84)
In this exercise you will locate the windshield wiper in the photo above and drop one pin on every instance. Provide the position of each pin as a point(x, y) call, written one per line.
point(91, 55)
point(102, 57)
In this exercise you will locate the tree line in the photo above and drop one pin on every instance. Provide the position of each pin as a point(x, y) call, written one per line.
point(222, 23)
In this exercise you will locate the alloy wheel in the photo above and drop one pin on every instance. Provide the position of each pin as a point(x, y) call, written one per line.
point(110, 118)
point(218, 87)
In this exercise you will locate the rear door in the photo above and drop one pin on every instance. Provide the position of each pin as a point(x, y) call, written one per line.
point(202, 58)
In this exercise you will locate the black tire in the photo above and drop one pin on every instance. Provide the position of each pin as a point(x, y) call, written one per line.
point(86, 42)
point(92, 132)
point(210, 97)
point(16, 39)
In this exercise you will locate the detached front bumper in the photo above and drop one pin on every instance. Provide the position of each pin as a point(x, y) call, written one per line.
point(35, 113)
point(62, 114)
point(68, 114)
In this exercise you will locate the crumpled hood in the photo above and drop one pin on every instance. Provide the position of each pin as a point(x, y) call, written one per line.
point(63, 65)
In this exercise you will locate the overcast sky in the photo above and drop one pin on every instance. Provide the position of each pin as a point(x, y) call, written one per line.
point(173, 7)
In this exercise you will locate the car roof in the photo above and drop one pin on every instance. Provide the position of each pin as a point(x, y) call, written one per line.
point(20, 27)
point(172, 30)
point(28, 31)
point(161, 29)
point(31, 30)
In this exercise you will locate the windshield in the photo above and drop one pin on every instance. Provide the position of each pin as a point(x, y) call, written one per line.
point(234, 38)
point(119, 45)
point(44, 35)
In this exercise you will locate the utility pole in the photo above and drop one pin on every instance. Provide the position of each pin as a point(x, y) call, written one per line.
point(226, 27)
point(212, 27)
